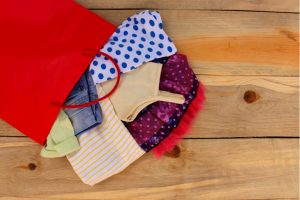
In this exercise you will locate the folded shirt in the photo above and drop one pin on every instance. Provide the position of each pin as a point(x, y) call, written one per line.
point(61, 139)
point(137, 90)
point(106, 149)
point(137, 40)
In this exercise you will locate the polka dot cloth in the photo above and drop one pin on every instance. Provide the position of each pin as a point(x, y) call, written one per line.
point(137, 40)
point(158, 120)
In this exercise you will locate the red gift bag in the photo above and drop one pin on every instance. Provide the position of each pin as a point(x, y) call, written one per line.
point(42, 46)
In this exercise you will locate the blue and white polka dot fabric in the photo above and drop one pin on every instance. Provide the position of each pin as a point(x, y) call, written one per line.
point(137, 40)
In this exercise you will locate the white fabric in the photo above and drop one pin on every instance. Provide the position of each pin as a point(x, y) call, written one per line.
point(106, 149)
point(137, 40)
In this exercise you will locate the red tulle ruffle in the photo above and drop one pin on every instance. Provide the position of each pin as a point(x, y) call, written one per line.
point(183, 127)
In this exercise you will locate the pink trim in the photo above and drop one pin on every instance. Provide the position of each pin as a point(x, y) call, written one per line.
point(183, 127)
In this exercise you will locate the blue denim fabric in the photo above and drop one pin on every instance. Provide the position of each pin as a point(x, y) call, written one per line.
point(85, 118)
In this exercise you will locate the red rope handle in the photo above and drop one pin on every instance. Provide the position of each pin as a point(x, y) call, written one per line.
point(108, 94)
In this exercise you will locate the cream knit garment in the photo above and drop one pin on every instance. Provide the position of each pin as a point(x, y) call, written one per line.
point(137, 90)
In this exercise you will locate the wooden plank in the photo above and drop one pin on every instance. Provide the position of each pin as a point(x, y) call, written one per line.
point(200, 169)
point(271, 109)
point(231, 43)
point(254, 5)
point(273, 112)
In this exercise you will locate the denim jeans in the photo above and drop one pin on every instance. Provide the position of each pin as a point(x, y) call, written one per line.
point(85, 118)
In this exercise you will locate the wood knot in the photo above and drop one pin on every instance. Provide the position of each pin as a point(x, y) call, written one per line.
point(31, 166)
point(175, 153)
point(250, 96)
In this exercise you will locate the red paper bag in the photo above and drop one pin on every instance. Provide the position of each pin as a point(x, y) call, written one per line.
point(42, 46)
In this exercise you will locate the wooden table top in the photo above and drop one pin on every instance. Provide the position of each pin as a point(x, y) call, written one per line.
point(243, 144)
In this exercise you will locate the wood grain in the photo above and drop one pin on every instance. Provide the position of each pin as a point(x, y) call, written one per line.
point(202, 169)
point(246, 53)
point(231, 43)
point(226, 113)
point(274, 111)
point(254, 5)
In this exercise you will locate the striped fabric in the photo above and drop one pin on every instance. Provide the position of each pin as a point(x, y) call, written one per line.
point(106, 149)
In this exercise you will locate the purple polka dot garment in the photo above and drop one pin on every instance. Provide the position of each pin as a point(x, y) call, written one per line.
point(158, 120)
point(138, 40)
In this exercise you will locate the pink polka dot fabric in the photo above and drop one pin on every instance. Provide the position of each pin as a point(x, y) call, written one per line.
point(158, 120)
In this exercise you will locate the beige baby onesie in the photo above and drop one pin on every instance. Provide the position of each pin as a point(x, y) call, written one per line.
point(138, 89)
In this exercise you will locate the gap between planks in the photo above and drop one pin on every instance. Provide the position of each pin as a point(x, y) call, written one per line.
point(288, 6)
point(213, 10)
point(204, 138)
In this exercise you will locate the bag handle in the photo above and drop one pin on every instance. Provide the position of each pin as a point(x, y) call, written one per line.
point(109, 93)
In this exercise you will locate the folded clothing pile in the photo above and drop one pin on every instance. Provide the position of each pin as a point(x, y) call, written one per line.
point(157, 99)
